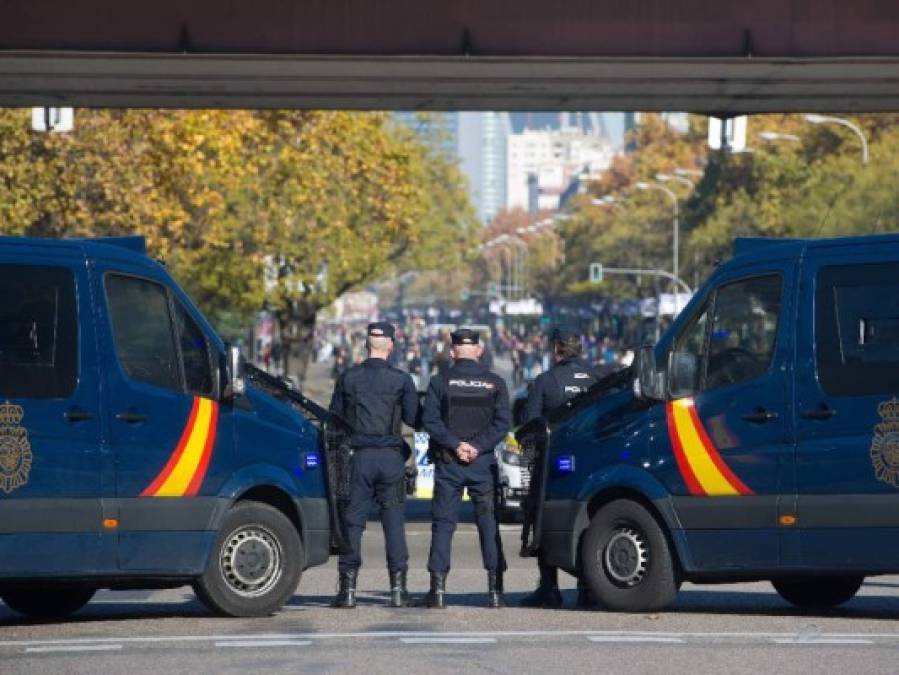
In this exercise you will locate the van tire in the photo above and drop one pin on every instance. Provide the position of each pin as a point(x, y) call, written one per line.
point(255, 565)
point(53, 601)
point(626, 559)
point(815, 592)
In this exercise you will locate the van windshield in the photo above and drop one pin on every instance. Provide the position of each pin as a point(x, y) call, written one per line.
point(38, 335)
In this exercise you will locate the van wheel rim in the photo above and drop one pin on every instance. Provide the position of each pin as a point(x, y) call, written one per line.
point(251, 561)
point(626, 557)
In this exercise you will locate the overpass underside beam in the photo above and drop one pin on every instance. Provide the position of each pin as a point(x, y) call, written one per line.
point(725, 85)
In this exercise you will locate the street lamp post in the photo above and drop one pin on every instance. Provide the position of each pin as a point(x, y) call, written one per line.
point(777, 136)
point(675, 222)
point(827, 119)
point(665, 177)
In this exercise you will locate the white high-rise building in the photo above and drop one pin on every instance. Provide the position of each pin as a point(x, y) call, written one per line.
point(541, 164)
point(482, 151)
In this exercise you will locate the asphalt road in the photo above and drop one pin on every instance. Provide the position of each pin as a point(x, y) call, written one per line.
point(742, 628)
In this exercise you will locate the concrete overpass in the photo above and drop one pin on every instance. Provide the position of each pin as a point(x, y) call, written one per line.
point(699, 55)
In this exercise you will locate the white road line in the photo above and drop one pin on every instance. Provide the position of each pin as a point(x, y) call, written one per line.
point(72, 648)
point(448, 641)
point(821, 641)
point(264, 643)
point(161, 639)
point(634, 638)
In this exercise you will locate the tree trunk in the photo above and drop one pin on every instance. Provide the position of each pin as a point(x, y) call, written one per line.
point(298, 336)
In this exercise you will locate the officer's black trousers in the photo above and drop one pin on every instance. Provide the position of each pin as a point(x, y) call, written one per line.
point(450, 478)
point(377, 477)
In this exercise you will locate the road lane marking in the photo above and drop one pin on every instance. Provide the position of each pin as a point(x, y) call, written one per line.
point(448, 640)
point(634, 638)
point(192, 639)
point(263, 643)
point(821, 641)
point(72, 648)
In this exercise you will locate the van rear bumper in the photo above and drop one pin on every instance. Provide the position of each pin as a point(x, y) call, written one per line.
point(316, 519)
point(564, 521)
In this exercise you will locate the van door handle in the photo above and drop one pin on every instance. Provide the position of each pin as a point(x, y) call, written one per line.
point(760, 416)
point(78, 415)
point(130, 417)
point(820, 413)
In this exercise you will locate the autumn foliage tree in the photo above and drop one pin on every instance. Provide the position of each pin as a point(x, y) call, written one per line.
point(248, 209)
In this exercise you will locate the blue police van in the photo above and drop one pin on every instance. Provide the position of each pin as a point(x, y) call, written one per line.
point(135, 451)
point(759, 440)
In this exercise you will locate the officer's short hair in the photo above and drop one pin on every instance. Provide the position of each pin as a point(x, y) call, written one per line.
point(566, 345)
point(378, 342)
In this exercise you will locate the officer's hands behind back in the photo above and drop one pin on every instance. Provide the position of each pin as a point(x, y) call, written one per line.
point(466, 452)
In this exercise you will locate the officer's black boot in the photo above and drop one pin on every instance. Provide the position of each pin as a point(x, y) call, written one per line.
point(585, 597)
point(399, 595)
point(547, 594)
point(346, 591)
point(436, 597)
point(495, 598)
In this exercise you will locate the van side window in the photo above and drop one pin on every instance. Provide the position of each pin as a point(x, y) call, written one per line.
point(38, 332)
point(857, 329)
point(142, 330)
point(195, 352)
point(744, 330)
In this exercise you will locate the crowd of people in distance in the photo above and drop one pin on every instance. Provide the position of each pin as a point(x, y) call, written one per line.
point(424, 349)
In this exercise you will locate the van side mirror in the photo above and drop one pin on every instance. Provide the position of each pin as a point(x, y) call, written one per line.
point(683, 374)
point(649, 383)
point(235, 385)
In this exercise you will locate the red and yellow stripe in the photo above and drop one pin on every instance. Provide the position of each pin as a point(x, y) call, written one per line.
point(183, 474)
point(700, 464)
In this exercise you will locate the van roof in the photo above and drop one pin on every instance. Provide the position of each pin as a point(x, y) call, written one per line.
point(133, 248)
point(769, 248)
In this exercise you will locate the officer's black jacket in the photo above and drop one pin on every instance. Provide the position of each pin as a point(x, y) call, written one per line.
point(374, 398)
point(467, 375)
point(564, 381)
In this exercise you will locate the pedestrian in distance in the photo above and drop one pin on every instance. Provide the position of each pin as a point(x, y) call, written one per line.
point(375, 399)
point(569, 377)
point(466, 413)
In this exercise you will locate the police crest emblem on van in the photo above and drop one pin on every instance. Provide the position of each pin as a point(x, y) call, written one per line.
point(885, 445)
point(15, 450)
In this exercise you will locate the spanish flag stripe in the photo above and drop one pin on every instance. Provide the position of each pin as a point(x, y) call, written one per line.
point(183, 474)
point(151, 489)
point(715, 456)
point(179, 479)
point(686, 472)
point(697, 454)
point(197, 481)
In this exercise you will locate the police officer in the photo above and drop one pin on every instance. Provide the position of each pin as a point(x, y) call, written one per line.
point(374, 398)
point(466, 413)
point(568, 378)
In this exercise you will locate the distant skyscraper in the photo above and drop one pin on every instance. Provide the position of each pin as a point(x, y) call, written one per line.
point(482, 150)
point(540, 165)
point(610, 125)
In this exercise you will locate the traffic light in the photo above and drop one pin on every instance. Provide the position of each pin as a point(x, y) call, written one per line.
point(596, 273)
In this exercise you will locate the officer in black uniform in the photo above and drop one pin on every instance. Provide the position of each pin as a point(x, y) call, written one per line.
point(569, 377)
point(466, 413)
point(375, 398)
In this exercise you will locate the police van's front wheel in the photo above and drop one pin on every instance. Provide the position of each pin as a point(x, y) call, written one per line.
point(255, 565)
point(626, 559)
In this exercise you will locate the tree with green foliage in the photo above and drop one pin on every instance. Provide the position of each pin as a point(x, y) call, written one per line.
point(289, 209)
